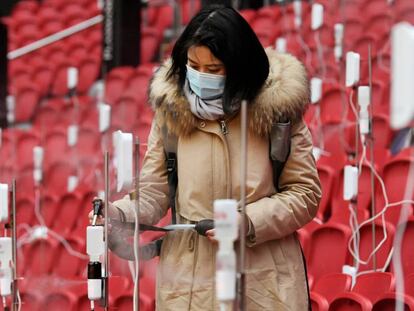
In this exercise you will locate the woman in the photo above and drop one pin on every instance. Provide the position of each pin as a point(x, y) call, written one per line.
point(217, 62)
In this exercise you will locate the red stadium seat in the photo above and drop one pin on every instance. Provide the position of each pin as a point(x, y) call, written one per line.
point(116, 82)
point(328, 244)
point(395, 174)
point(125, 303)
point(365, 245)
point(350, 302)
point(27, 97)
point(372, 285)
point(30, 301)
point(330, 285)
point(334, 104)
point(56, 178)
point(41, 257)
point(68, 265)
point(388, 301)
point(56, 146)
point(88, 73)
point(68, 207)
point(327, 178)
point(25, 144)
point(318, 302)
point(150, 42)
point(60, 299)
point(25, 211)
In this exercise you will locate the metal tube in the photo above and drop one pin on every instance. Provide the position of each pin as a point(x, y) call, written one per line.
point(14, 247)
point(106, 254)
point(55, 37)
point(136, 233)
point(241, 288)
point(371, 146)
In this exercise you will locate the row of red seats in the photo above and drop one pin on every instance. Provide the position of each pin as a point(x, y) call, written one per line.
point(329, 242)
point(71, 295)
point(394, 173)
point(371, 291)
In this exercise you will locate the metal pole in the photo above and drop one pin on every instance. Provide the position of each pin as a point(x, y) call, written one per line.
point(371, 145)
point(106, 254)
point(14, 247)
point(241, 288)
point(136, 235)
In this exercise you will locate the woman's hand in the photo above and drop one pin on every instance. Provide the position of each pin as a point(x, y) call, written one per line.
point(210, 234)
point(100, 220)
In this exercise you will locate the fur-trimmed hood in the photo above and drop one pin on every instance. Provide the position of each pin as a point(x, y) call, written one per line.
point(284, 96)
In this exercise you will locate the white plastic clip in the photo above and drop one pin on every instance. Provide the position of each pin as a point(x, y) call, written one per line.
point(123, 154)
point(352, 69)
point(350, 182)
point(73, 131)
point(38, 163)
point(339, 36)
point(11, 106)
point(104, 117)
point(297, 8)
point(317, 16)
point(73, 182)
point(4, 202)
point(72, 77)
point(316, 90)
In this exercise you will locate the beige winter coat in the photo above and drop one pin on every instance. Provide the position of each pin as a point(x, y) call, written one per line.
point(209, 169)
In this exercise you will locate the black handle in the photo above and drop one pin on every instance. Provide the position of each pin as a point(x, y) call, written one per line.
point(97, 206)
point(204, 225)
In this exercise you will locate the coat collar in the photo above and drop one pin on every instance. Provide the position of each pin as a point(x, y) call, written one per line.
point(284, 95)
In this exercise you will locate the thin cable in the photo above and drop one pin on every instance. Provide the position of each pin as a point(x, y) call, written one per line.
point(19, 300)
point(136, 229)
point(355, 234)
point(353, 222)
point(399, 236)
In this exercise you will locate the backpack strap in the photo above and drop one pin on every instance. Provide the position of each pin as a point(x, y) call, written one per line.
point(279, 148)
point(170, 148)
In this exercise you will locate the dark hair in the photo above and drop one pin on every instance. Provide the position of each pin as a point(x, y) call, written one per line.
point(230, 38)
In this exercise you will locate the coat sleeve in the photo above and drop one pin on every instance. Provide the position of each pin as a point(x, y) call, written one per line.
point(300, 192)
point(153, 186)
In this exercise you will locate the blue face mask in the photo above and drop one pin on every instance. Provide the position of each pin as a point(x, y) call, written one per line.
point(205, 85)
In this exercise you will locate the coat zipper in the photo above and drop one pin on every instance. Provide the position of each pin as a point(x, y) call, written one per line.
point(224, 128)
point(225, 131)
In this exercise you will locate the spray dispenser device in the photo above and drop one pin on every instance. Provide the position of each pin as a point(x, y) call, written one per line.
point(226, 226)
point(363, 101)
point(6, 275)
point(339, 37)
point(95, 247)
point(72, 80)
point(4, 202)
point(38, 154)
